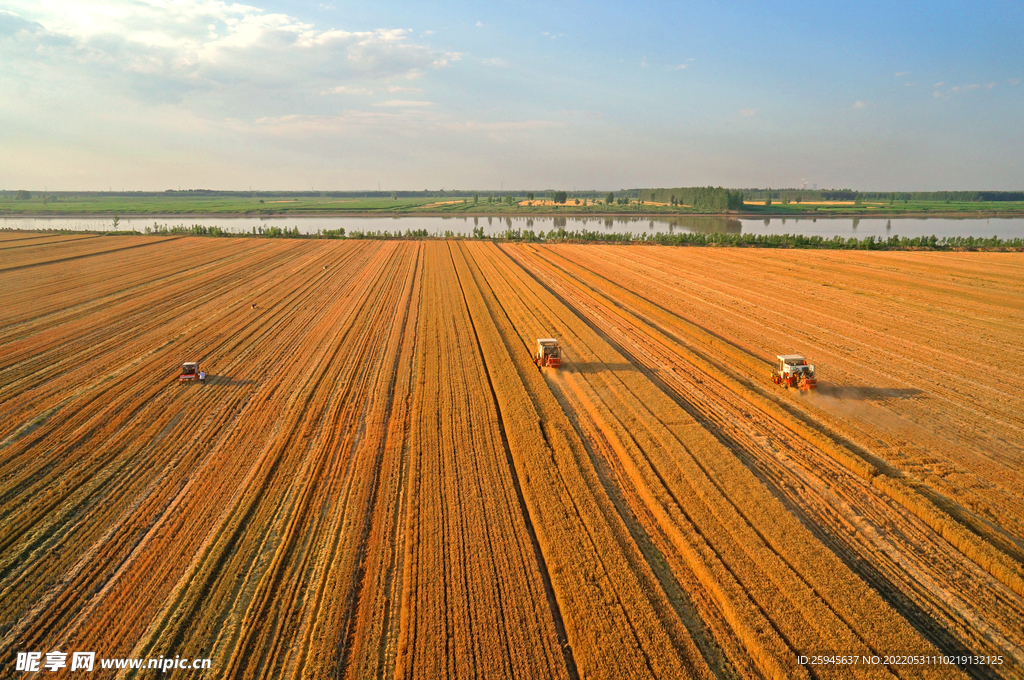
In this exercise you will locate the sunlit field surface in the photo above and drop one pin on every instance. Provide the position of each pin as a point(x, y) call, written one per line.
point(377, 481)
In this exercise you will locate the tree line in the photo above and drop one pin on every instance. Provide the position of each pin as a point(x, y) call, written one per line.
point(709, 199)
point(812, 195)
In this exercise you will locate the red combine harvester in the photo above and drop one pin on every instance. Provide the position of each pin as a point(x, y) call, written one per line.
point(548, 353)
point(189, 372)
point(794, 371)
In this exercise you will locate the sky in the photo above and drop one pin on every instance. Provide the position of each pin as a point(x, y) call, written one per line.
point(333, 95)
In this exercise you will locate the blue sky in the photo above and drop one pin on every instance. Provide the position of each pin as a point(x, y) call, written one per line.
point(155, 94)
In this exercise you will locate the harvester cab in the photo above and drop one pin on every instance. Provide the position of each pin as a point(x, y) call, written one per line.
point(548, 353)
point(792, 370)
point(189, 372)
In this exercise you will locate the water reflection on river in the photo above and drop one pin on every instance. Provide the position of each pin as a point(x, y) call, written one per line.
point(461, 225)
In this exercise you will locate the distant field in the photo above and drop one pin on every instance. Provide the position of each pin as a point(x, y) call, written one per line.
point(376, 481)
point(177, 204)
point(868, 208)
point(109, 205)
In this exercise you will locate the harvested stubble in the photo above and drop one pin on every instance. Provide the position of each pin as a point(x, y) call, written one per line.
point(377, 482)
point(956, 587)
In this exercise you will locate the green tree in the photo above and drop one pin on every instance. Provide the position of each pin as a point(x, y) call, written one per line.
point(117, 221)
point(560, 197)
point(529, 196)
point(394, 195)
point(23, 195)
point(476, 197)
point(610, 198)
point(768, 200)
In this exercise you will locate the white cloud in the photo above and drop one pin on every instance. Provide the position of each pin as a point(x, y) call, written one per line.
point(973, 87)
point(494, 61)
point(859, 104)
point(403, 103)
point(936, 94)
point(350, 124)
point(397, 88)
point(479, 24)
point(505, 126)
point(941, 83)
point(900, 74)
point(679, 67)
point(166, 50)
point(344, 89)
point(749, 113)
point(1014, 81)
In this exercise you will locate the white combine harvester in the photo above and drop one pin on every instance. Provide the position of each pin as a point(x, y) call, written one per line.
point(189, 372)
point(792, 370)
point(548, 354)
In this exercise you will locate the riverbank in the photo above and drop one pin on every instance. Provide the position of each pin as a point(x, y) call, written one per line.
point(692, 239)
point(568, 212)
point(199, 206)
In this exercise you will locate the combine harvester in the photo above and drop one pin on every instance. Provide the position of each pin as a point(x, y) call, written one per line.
point(189, 372)
point(548, 353)
point(794, 371)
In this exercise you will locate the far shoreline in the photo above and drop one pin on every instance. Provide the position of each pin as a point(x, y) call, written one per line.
point(502, 215)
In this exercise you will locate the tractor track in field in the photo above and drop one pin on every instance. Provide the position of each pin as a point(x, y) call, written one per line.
point(707, 647)
point(831, 500)
point(70, 258)
point(542, 567)
point(967, 483)
point(616, 563)
point(937, 456)
point(80, 360)
point(678, 501)
point(376, 481)
point(158, 389)
point(35, 241)
point(404, 346)
point(96, 294)
point(279, 444)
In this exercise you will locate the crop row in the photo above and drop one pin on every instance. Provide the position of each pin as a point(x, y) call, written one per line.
point(730, 529)
point(376, 480)
point(885, 543)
